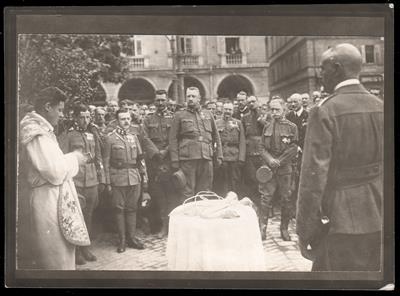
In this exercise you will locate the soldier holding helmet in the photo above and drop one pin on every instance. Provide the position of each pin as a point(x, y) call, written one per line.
point(279, 147)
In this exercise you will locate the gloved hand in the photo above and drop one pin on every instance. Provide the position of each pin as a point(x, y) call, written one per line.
point(274, 163)
point(109, 188)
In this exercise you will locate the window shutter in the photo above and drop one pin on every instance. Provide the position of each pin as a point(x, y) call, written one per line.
point(139, 47)
point(197, 48)
point(363, 53)
point(188, 45)
point(221, 45)
point(378, 54)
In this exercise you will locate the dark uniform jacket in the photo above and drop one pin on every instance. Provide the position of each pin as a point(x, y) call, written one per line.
point(301, 123)
point(157, 127)
point(279, 141)
point(342, 165)
point(240, 113)
point(253, 125)
point(123, 160)
point(233, 140)
point(91, 173)
point(194, 135)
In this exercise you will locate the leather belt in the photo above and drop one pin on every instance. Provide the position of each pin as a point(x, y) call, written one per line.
point(198, 138)
point(231, 144)
point(122, 165)
point(254, 137)
point(358, 175)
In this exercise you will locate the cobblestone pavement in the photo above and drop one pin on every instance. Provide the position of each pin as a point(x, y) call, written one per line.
point(279, 255)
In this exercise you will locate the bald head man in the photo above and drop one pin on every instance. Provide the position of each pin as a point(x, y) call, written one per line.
point(340, 63)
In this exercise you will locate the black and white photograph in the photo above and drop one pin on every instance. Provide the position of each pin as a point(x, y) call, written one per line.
point(182, 152)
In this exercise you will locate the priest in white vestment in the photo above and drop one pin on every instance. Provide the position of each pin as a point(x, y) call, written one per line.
point(56, 217)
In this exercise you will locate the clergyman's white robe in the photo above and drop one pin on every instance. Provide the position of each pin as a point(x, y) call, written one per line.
point(50, 176)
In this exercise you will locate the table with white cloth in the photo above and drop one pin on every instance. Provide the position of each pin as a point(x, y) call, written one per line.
point(213, 243)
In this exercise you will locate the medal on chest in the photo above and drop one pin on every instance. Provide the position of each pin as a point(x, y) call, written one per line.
point(89, 136)
point(286, 140)
point(130, 138)
point(232, 124)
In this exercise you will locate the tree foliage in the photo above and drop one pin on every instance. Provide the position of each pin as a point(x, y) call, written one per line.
point(74, 63)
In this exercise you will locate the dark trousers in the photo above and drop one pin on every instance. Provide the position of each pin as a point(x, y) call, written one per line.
point(125, 204)
point(282, 185)
point(199, 176)
point(89, 204)
point(231, 177)
point(104, 216)
point(164, 197)
point(125, 197)
point(249, 178)
point(349, 252)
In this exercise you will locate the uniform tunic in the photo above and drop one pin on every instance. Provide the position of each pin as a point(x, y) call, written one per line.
point(90, 173)
point(124, 169)
point(157, 126)
point(234, 151)
point(253, 126)
point(137, 129)
point(279, 141)
point(342, 179)
point(193, 138)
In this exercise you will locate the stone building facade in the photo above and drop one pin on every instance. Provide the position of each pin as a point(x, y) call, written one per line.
point(294, 62)
point(220, 66)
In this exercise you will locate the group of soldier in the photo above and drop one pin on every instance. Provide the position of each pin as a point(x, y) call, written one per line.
point(137, 163)
point(135, 153)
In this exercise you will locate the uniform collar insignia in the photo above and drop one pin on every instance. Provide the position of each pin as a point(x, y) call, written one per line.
point(121, 131)
point(79, 129)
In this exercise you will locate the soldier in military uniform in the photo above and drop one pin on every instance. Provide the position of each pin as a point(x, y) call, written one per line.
point(193, 138)
point(233, 143)
point(125, 173)
point(279, 144)
point(219, 110)
point(112, 107)
point(102, 215)
point(253, 124)
point(157, 126)
point(137, 129)
point(81, 137)
point(339, 209)
point(299, 116)
point(242, 108)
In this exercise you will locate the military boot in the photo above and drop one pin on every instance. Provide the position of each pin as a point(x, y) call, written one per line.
point(285, 218)
point(131, 239)
point(87, 254)
point(79, 259)
point(120, 221)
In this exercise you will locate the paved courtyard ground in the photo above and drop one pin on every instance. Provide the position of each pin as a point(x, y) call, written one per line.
point(279, 255)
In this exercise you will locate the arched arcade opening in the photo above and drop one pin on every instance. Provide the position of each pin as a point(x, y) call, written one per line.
point(138, 90)
point(189, 81)
point(232, 84)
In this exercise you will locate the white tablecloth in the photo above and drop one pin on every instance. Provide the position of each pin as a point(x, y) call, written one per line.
point(204, 244)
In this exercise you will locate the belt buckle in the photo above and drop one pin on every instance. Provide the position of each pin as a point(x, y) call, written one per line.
point(200, 138)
